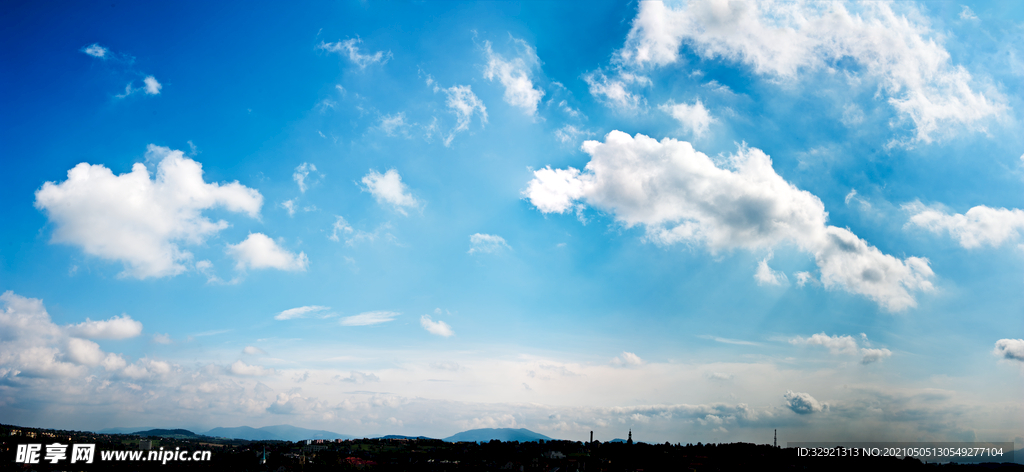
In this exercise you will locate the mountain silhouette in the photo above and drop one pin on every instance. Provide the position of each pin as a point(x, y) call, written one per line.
point(281, 432)
point(501, 434)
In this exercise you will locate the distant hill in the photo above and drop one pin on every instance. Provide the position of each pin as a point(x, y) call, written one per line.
point(618, 440)
point(396, 436)
point(281, 432)
point(501, 434)
point(123, 430)
point(167, 433)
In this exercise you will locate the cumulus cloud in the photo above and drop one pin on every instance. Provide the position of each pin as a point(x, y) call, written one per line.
point(980, 226)
point(781, 39)
point(137, 220)
point(464, 104)
point(95, 50)
point(33, 346)
point(258, 251)
point(242, 369)
point(679, 195)
point(152, 86)
point(300, 312)
point(301, 174)
point(627, 359)
point(438, 327)
point(359, 378)
point(765, 275)
point(694, 118)
point(514, 75)
point(388, 188)
point(369, 318)
point(147, 369)
point(803, 403)
point(486, 243)
point(844, 345)
point(1010, 349)
point(348, 48)
point(118, 327)
point(253, 351)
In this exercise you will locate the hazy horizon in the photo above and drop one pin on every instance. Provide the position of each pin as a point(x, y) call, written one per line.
point(699, 221)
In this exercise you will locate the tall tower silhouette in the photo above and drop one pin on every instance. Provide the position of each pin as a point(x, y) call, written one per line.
point(630, 440)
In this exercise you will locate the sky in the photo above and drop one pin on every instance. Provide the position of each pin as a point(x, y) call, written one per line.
point(699, 221)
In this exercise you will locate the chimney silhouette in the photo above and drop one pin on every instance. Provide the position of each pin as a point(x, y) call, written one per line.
point(591, 436)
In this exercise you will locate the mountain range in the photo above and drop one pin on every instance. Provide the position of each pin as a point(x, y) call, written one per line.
point(286, 432)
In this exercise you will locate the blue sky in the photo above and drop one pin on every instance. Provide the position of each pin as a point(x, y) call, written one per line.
point(701, 221)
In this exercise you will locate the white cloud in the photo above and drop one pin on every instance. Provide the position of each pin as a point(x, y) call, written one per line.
point(781, 39)
point(874, 355)
point(852, 115)
point(389, 188)
point(147, 369)
point(258, 251)
point(803, 403)
point(253, 351)
point(33, 346)
point(348, 48)
point(980, 226)
point(152, 86)
point(765, 275)
point(1011, 349)
point(359, 378)
point(570, 134)
point(118, 327)
point(514, 75)
point(438, 327)
point(246, 370)
point(464, 103)
point(803, 278)
point(615, 91)
point(486, 243)
point(162, 338)
point(341, 229)
point(627, 359)
point(289, 206)
point(300, 312)
point(835, 344)
point(695, 118)
point(95, 50)
point(680, 195)
point(139, 221)
point(302, 173)
point(844, 345)
point(88, 353)
point(393, 125)
point(369, 318)
point(967, 14)
point(340, 225)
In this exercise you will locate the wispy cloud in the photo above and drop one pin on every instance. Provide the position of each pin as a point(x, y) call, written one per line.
point(369, 318)
point(349, 49)
point(480, 243)
point(301, 312)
